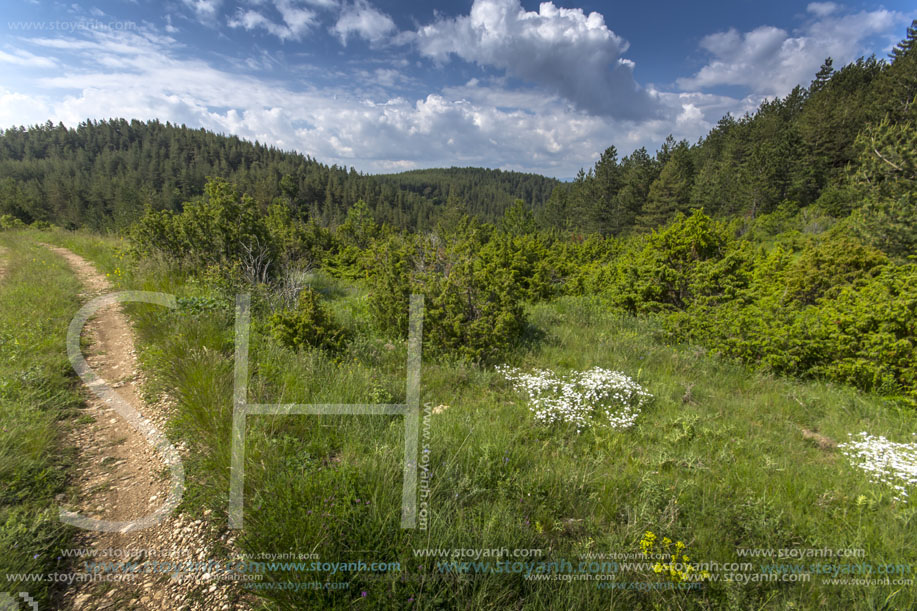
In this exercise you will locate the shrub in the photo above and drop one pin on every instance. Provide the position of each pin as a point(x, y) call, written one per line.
point(222, 228)
point(475, 306)
point(472, 287)
point(298, 244)
point(828, 263)
point(309, 324)
point(837, 310)
point(351, 239)
point(8, 221)
point(659, 273)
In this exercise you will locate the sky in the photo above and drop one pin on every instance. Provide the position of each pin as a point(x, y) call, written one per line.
point(386, 86)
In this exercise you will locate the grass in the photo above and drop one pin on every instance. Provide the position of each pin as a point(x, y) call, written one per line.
point(39, 396)
point(722, 459)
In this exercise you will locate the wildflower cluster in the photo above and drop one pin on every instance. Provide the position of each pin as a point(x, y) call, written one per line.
point(596, 397)
point(885, 461)
point(676, 566)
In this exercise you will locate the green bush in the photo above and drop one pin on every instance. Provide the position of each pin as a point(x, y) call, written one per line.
point(836, 309)
point(345, 259)
point(473, 287)
point(828, 263)
point(228, 232)
point(299, 244)
point(658, 273)
point(8, 221)
point(222, 228)
point(308, 325)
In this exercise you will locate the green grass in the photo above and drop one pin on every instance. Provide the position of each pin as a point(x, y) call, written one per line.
point(718, 460)
point(38, 397)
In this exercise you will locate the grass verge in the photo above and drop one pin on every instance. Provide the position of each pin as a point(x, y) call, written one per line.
point(39, 395)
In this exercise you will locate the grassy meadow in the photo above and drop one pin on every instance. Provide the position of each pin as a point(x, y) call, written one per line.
point(722, 459)
point(40, 398)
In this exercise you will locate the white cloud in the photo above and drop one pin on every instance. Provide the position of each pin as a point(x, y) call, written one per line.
point(564, 50)
point(690, 115)
point(325, 4)
point(296, 20)
point(20, 109)
point(770, 61)
point(821, 9)
point(365, 21)
point(296, 17)
point(143, 78)
point(204, 9)
point(24, 58)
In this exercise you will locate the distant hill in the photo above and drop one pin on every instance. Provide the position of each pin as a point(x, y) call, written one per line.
point(483, 192)
point(102, 174)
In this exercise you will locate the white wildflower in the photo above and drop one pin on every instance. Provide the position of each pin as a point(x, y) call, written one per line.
point(596, 397)
point(887, 462)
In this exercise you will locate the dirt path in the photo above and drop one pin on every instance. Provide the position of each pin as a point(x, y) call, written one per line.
point(121, 477)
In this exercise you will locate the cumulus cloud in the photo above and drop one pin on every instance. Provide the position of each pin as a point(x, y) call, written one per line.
point(295, 21)
point(564, 50)
point(144, 78)
point(21, 109)
point(365, 21)
point(771, 61)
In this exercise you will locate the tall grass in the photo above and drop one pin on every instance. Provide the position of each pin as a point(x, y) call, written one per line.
point(722, 459)
point(39, 398)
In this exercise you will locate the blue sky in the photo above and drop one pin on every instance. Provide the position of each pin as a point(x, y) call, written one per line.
point(384, 86)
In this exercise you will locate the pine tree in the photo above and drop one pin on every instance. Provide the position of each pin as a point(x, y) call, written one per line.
point(897, 87)
point(822, 76)
point(518, 220)
point(638, 171)
point(603, 215)
point(886, 176)
point(670, 193)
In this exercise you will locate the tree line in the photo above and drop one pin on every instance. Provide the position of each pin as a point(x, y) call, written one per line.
point(103, 175)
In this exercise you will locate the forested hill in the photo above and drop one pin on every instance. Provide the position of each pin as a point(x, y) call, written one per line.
point(833, 143)
point(845, 144)
point(102, 174)
point(482, 192)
